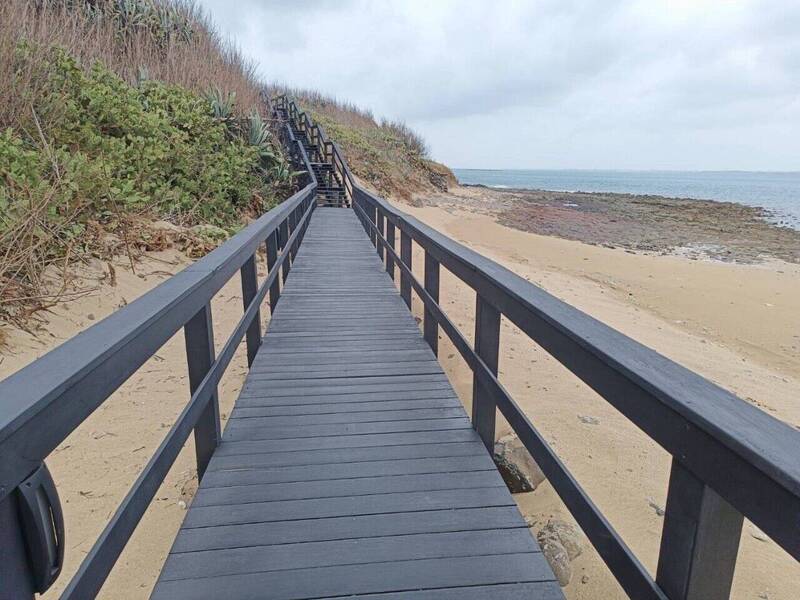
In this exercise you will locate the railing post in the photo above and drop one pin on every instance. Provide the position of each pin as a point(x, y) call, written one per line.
point(372, 211)
point(431, 328)
point(199, 335)
point(249, 275)
point(381, 232)
point(272, 258)
point(284, 231)
point(295, 219)
point(15, 573)
point(487, 346)
point(699, 541)
point(390, 241)
point(405, 256)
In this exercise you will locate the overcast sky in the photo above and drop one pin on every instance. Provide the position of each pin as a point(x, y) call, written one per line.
point(648, 84)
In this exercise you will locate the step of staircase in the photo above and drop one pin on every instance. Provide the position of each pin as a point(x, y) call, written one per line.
point(330, 191)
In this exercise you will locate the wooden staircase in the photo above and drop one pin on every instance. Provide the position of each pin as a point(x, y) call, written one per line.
point(330, 190)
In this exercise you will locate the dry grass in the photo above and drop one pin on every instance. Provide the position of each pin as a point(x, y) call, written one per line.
point(195, 57)
point(171, 41)
point(387, 155)
point(350, 115)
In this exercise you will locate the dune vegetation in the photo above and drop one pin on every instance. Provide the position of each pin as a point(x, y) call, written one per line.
point(386, 155)
point(115, 114)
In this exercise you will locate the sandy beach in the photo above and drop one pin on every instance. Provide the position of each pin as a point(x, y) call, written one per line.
point(734, 322)
point(731, 316)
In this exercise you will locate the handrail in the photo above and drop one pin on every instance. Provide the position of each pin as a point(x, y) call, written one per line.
point(730, 459)
point(304, 123)
point(736, 458)
point(45, 401)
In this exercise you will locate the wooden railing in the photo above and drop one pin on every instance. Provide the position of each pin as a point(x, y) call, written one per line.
point(730, 459)
point(43, 403)
point(327, 150)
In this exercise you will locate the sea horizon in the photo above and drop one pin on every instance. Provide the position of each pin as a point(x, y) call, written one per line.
point(777, 192)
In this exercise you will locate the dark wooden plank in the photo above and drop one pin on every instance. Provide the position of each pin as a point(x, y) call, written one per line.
point(261, 559)
point(342, 441)
point(369, 370)
point(396, 576)
point(407, 414)
point(340, 429)
point(343, 406)
point(358, 486)
point(232, 514)
point(340, 455)
point(241, 473)
point(341, 528)
point(515, 591)
point(348, 466)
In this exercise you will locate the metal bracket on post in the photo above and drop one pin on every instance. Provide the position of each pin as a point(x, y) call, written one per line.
point(699, 542)
point(199, 335)
point(249, 275)
point(487, 347)
point(31, 537)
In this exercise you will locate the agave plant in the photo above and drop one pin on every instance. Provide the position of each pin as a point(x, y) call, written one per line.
point(257, 132)
point(221, 103)
point(142, 75)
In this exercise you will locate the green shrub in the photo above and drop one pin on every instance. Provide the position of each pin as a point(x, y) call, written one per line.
point(113, 145)
point(96, 151)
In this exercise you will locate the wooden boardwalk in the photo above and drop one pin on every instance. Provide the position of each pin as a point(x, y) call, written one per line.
point(348, 467)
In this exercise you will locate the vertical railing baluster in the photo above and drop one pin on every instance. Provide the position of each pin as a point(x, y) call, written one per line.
point(272, 258)
point(487, 346)
point(699, 541)
point(372, 211)
point(295, 219)
point(430, 327)
point(405, 256)
point(390, 241)
point(284, 230)
point(199, 335)
point(382, 233)
point(249, 275)
point(15, 570)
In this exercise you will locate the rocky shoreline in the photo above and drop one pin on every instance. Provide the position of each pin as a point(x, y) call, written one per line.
point(725, 231)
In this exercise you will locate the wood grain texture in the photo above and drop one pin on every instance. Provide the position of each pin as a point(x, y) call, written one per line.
point(348, 466)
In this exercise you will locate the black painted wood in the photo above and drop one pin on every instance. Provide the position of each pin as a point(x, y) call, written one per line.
point(348, 466)
point(487, 347)
point(199, 335)
point(700, 541)
point(431, 327)
point(744, 454)
point(406, 256)
point(249, 275)
point(391, 241)
point(272, 257)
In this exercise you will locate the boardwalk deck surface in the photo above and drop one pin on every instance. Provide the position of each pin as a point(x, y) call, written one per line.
point(348, 467)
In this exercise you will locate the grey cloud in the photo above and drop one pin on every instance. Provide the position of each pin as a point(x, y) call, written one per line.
point(590, 83)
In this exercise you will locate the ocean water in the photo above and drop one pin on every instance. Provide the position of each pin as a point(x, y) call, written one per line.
point(778, 193)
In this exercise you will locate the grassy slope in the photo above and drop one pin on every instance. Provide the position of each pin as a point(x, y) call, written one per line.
point(113, 114)
point(388, 156)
